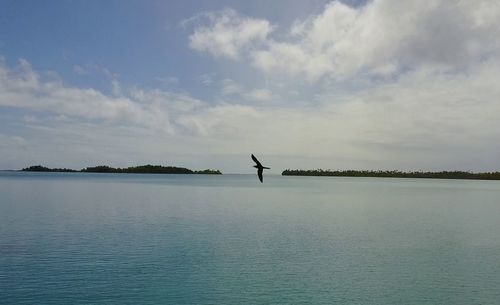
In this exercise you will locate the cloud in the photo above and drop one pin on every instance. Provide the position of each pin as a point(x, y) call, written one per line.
point(227, 33)
point(230, 87)
point(387, 85)
point(259, 95)
point(382, 37)
point(222, 121)
point(79, 70)
point(115, 87)
point(24, 88)
point(94, 69)
point(206, 79)
point(344, 41)
point(424, 120)
point(239, 94)
point(11, 147)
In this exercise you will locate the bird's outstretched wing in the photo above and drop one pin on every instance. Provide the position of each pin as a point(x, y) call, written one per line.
point(259, 173)
point(256, 161)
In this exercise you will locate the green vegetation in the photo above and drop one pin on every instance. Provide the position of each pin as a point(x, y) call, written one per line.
point(394, 174)
point(208, 172)
point(143, 169)
point(39, 168)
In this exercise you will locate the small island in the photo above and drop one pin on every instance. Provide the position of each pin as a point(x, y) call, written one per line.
point(142, 169)
point(393, 174)
point(39, 168)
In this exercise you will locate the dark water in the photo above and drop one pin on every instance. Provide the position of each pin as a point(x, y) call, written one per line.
point(172, 239)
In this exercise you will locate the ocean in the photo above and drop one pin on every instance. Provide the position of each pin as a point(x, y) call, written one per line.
point(82, 238)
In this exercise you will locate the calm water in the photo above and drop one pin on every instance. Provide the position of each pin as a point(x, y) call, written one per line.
point(172, 239)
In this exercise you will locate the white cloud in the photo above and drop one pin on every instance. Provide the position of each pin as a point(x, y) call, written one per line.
point(259, 95)
point(239, 94)
point(115, 87)
point(221, 121)
point(79, 70)
point(24, 88)
point(425, 120)
point(344, 41)
point(226, 33)
point(94, 69)
point(230, 87)
point(206, 79)
point(381, 37)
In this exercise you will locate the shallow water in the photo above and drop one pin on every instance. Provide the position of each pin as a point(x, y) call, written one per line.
point(76, 238)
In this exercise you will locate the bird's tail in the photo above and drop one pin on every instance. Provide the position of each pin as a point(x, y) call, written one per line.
point(266, 167)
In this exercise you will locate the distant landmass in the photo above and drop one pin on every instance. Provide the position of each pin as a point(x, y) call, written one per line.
point(394, 174)
point(143, 169)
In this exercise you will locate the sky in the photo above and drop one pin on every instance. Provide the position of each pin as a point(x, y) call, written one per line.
point(382, 84)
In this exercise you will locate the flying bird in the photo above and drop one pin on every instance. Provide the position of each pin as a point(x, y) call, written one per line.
point(259, 168)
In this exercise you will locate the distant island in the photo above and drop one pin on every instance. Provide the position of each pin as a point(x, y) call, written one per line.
point(393, 174)
point(143, 169)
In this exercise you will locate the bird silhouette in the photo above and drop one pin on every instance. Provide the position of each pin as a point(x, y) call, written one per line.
point(259, 168)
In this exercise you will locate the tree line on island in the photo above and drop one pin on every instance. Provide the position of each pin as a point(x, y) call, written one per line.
point(142, 169)
point(394, 174)
point(158, 169)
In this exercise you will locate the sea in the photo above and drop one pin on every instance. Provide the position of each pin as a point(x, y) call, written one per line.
point(83, 238)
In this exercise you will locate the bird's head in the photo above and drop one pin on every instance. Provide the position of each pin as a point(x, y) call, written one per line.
point(255, 166)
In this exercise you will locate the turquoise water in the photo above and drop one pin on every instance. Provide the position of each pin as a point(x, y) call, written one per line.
point(69, 238)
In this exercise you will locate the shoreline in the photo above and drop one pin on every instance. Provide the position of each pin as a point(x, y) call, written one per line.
point(141, 169)
point(455, 175)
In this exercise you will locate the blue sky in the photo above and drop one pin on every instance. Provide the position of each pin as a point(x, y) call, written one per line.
point(139, 41)
point(380, 85)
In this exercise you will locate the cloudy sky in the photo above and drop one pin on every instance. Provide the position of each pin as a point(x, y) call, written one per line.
point(383, 84)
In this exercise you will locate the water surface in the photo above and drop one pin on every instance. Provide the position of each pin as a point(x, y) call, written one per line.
point(82, 238)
